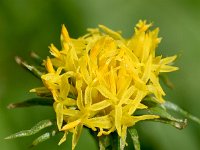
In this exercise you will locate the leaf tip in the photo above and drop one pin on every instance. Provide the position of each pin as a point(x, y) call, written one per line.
point(18, 60)
point(11, 106)
point(7, 138)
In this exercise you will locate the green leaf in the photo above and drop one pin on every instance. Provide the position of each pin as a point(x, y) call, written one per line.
point(28, 67)
point(160, 111)
point(38, 127)
point(122, 143)
point(165, 117)
point(104, 142)
point(123, 138)
point(111, 142)
point(176, 108)
point(177, 123)
point(118, 143)
point(155, 108)
point(42, 92)
point(134, 135)
point(115, 141)
point(36, 58)
point(32, 102)
point(43, 138)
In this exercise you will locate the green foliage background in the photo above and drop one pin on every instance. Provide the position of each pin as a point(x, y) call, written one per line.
point(27, 25)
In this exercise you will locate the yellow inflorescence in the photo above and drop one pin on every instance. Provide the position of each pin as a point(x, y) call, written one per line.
point(100, 79)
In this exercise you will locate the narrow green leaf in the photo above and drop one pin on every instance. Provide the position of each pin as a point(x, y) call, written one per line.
point(110, 142)
point(32, 102)
point(177, 123)
point(42, 92)
point(104, 142)
point(150, 101)
point(123, 137)
point(36, 58)
point(134, 135)
point(43, 138)
point(122, 143)
point(118, 143)
point(161, 110)
point(156, 108)
point(176, 108)
point(115, 141)
point(38, 127)
point(28, 67)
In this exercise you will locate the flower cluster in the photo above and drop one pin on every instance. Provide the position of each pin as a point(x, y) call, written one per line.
point(100, 79)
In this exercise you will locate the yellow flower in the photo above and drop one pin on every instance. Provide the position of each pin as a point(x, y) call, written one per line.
point(99, 80)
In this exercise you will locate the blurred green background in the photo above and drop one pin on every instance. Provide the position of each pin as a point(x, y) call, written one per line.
point(27, 25)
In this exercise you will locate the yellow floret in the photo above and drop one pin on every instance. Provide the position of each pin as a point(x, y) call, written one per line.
point(99, 80)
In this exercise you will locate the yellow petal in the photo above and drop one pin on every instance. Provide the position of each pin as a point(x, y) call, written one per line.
point(99, 122)
point(143, 117)
point(140, 95)
point(113, 81)
point(142, 26)
point(63, 139)
point(142, 106)
point(110, 32)
point(106, 93)
point(54, 51)
point(166, 68)
point(80, 95)
point(71, 125)
point(76, 135)
point(118, 117)
point(59, 114)
point(147, 70)
point(168, 60)
point(65, 34)
point(155, 81)
point(70, 112)
point(49, 66)
point(64, 87)
point(126, 95)
point(88, 96)
point(131, 120)
point(100, 105)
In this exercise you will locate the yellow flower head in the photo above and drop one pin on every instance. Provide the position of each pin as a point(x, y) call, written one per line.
point(99, 80)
